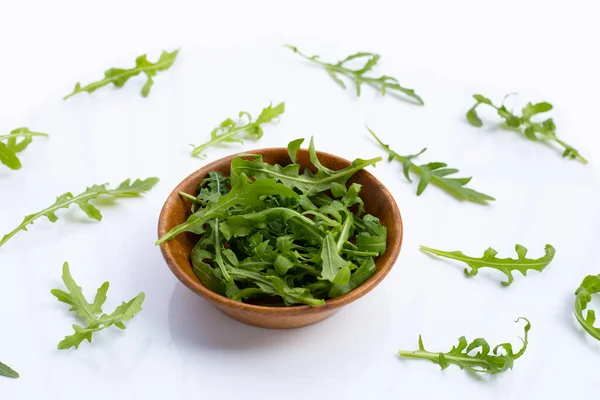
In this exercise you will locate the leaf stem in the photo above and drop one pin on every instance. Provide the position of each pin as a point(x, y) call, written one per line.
point(24, 134)
point(188, 196)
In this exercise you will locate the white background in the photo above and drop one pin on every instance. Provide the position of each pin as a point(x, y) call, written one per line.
point(232, 60)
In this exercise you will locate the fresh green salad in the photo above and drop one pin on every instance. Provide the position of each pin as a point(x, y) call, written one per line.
point(273, 234)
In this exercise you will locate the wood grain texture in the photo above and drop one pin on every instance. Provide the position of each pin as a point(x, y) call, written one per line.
point(378, 202)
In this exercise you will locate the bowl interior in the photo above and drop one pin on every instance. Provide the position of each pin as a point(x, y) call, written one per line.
point(378, 202)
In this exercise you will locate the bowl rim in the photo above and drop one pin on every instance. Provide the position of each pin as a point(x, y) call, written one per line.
point(197, 287)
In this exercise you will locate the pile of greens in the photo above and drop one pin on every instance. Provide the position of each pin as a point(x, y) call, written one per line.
point(273, 234)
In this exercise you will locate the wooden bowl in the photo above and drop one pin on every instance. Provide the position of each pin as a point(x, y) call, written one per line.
point(378, 202)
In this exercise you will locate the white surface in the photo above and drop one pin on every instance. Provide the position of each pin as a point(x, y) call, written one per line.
point(232, 60)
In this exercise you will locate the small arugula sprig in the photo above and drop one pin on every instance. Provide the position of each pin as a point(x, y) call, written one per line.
point(483, 361)
point(230, 132)
point(546, 128)
point(583, 295)
point(119, 76)
point(125, 189)
point(435, 173)
point(383, 83)
point(7, 371)
point(9, 150)
point(91, 313)
point(505, 265)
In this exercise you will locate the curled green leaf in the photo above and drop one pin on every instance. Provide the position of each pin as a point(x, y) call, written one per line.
point(583, 296)
point(15, 142)
point(487, 360)
point(544, 130)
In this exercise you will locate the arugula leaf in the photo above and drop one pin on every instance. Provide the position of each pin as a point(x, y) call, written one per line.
point(243, 225)
point(335, 268)
point(9, 150)
point(383, 83)
point(308, 183)
point(360, 276)
point(119, 77)
point(91, 313)
point(483, 361)
point(125, 189)
point(274, 285)
point(435, 173)
point(505, 265)
point(7, 371)
point(241, 193)
point(373, 237)
point(546, 129)
point(230, 132)
point(583, 295)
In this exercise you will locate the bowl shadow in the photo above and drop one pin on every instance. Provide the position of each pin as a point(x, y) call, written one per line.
point(196, 323)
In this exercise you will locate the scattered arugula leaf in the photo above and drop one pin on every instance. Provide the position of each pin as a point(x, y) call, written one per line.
point(230, 132)
point(583, 295)
point(7, 371)
point(483, 361)
point(383, 83)
point(435, 173)
point(90, 314)
point(546, 128)
point(9, 150)
point(505, 265)
point(294, 237)
point(125, 189)
point(119, 76)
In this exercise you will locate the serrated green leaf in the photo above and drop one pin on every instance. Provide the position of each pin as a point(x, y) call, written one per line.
point(436, 174)
point(361, 275)
point(382, 84)
point(119, 76)
point(9, 150)
point(125, 189)
point(532, 109)
point(333, 263)
point(373, 237)
point(230, 132)
point(91, 313)
point(531, 129)
point(308, 183)
point(505, 265)
point(484, 361)
point(74, 297)
point(241, 193)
